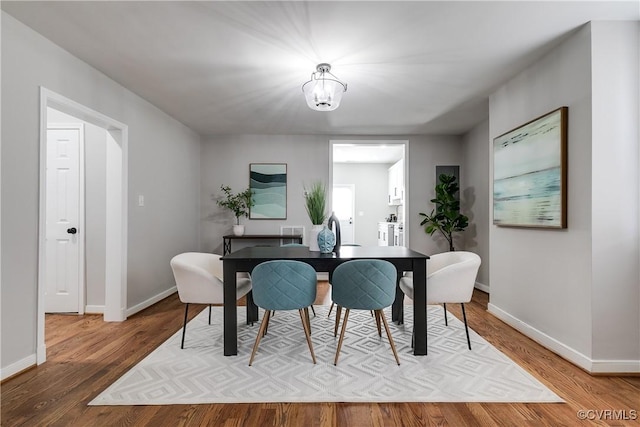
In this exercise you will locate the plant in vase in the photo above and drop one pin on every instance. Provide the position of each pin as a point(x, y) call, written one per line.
point(446, 217)
point(315, 199)
point(239, 204)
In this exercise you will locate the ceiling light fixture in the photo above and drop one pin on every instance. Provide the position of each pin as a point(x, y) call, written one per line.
point(324, 91)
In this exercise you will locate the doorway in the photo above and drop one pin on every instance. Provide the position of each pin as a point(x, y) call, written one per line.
point(115, 210)
point(65, 233)
point(343, 203)
point(368, 166)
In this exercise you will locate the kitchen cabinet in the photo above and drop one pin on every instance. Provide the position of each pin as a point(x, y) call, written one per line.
point(396, 183)
point(385, 234)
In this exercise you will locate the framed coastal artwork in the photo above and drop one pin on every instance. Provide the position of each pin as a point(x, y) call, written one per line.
point(268, 183)
point(530, 173)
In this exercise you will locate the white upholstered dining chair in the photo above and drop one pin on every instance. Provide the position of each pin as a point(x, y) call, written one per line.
point(451, 277)
point(199, 281)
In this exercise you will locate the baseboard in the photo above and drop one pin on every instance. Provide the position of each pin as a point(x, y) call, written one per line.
point(17, 367)
point(564, 351)
point(482, 287)
point(94, 309)
point(148, 303)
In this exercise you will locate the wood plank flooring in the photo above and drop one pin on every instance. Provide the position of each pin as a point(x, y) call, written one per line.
point(85, 355)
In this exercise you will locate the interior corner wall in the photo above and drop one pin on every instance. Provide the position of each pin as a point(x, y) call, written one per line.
point(163, 165)
point(541, 278)
point(475, 189)
point(615, 233)
point(576, 290)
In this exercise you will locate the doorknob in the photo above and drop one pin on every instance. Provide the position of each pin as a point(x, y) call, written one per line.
point(72, 230)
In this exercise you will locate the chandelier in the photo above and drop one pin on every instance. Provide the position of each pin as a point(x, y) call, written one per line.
point(324, 91)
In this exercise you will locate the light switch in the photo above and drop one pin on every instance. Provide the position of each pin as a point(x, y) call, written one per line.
point(140, 200)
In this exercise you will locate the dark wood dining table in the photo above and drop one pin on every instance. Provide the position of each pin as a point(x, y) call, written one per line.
point(404, 259)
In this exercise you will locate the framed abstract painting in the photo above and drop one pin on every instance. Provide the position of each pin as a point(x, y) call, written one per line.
point(268, 183)
point(530, 173)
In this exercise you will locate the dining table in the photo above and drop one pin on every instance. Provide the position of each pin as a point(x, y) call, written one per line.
point(404, 260)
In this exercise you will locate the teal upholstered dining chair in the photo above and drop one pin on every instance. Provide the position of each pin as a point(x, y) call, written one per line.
point(364, 284)
point(300, 245)
point(283, 285)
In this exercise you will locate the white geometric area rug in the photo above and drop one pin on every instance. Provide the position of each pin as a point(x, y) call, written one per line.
point(283, 371)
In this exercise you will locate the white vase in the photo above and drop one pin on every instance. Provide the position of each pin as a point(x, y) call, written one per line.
point(238, 230)
point(313, 237)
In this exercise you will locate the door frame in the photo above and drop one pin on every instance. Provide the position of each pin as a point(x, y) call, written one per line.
point(116, 209)
point(81, 209)
point(405, 156)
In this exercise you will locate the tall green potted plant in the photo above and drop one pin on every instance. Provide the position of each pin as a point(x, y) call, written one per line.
point(239, 204)
point(445, 217)
point(315, 198)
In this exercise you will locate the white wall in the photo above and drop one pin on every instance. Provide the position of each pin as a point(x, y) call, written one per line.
point(370, 181)
point(163, 162)
point(225, 160)
point(425, 153)
point(616, 279)
point(565, 287)
point(475, 189)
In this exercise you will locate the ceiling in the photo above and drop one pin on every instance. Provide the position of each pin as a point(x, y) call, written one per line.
point(237, 67)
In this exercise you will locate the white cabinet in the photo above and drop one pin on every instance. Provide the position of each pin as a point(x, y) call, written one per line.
point(396, 183)
point(385, 234)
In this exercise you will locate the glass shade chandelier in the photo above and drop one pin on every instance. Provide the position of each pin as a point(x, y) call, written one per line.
point(324, 91)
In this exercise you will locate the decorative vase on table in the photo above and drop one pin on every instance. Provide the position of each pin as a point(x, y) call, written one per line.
point(313, 237)
point(331, 223)
point(326, 240)
point(238, 230)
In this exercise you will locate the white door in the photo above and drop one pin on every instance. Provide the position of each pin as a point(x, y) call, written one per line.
point(63, 234)
point(344, 207)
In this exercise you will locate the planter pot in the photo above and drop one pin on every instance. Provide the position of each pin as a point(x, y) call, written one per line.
point(238, 230)
point(313, 237)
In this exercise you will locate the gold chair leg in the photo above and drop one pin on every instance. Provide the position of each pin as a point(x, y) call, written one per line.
point(304, 317)
point(386, 328)
point(338, 314)
point(261, 332)
point(306, 313)
point(378, 324)
point(266, 327)
point(344, 328)
point(331, 308)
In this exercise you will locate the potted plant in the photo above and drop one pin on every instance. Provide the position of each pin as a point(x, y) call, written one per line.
point(445, 217)
point(315, 198)
point(239, 204)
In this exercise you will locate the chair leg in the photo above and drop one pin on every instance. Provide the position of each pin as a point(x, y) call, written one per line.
point(344, 328)
point(209, 313)
point(378, 323)
point(261, 332)
point(466, 328)
point(446, 322)
point(331, 308)
point(304, 317)
point(184, 327)
point(306, 313)
point(266, 327)
point(313, 310)
point(386, 328)
point(338, 314)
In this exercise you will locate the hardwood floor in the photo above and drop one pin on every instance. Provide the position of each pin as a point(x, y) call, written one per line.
point(85, 355)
